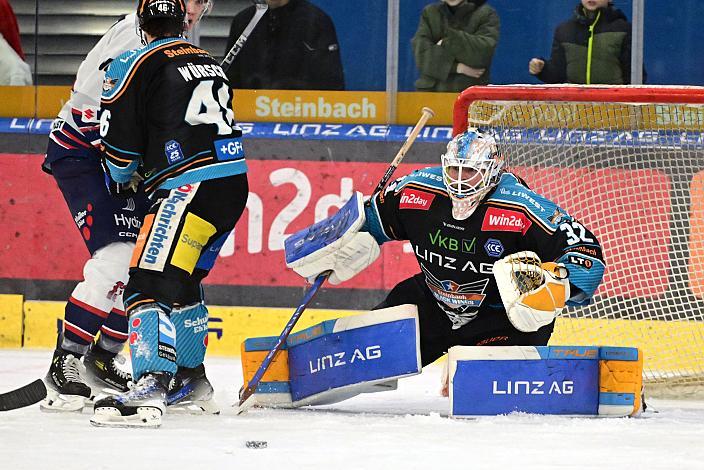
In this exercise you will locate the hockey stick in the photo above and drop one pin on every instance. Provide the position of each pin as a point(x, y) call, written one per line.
point(261, 8)
point(427, 114)
point(247, 393)
point(24, 396)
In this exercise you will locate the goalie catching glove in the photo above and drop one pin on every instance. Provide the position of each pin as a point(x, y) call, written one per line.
point(334, 244)
point(534, 293)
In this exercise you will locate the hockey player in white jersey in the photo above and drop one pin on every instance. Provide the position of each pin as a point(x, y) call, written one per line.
point(109, 221)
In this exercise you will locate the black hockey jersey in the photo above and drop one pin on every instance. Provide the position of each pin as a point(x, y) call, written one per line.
point(168, 107)
point(457, 256)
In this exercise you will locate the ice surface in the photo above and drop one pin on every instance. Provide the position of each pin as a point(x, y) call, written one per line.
point(403, 429)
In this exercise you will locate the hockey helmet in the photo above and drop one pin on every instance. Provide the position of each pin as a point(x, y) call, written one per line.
point(471, 167)
point(150, 9)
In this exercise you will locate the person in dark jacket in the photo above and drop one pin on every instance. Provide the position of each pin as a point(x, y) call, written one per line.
point(454, 45)
point(594, 46)
point(294, 47)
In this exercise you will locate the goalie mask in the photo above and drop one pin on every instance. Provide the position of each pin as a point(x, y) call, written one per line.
point(471, 167)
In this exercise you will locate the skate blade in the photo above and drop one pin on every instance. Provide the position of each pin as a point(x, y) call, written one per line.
point(58, 403)
point(197, 407)
point(146, 417)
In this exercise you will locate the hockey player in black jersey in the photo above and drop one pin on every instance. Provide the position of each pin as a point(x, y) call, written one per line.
point(167, 124)
point(497, 261)
point(85, 363)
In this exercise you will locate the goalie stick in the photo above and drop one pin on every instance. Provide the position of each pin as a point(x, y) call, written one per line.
point(261, 8)
point(247, 398)
point(24, 396)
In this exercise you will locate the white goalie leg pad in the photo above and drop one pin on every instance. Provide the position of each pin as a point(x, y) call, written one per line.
point(108, 266)
point(532, 292)
point(334, 244)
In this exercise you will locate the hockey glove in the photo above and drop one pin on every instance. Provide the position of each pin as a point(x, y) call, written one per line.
point(532, 292)
point(122, 190)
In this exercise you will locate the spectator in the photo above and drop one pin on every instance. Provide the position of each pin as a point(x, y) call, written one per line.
point(13, 70)
point(294, 47)
point(454, 45)
point(605, 59)
point(8, 27)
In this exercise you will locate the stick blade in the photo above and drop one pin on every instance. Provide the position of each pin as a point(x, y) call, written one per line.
point(246, 404)
point(24, 396)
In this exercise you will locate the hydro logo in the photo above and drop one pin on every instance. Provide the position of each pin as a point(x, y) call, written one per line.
point(494, 248)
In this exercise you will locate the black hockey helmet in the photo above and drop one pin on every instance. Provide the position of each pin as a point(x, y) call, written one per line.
point(151, 9)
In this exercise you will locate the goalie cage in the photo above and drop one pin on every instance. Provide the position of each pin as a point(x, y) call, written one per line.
point(629, 162)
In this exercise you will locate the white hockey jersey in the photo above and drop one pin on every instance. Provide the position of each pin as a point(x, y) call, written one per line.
point(75, 130)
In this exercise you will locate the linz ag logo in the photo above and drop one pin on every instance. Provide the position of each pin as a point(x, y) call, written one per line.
point(504, 220)
point(415, 199)
point(494, 248)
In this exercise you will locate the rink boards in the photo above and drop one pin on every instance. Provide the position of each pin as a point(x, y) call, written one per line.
point(33, 324)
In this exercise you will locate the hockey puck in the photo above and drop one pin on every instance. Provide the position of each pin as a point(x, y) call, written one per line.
point(256, 444)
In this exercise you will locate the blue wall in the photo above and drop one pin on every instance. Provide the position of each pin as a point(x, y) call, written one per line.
point(674, 39)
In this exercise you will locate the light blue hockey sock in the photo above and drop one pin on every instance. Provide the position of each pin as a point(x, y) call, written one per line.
point(191, 324)
point(152, 339)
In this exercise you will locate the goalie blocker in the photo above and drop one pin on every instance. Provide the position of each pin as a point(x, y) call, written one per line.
point(562, 380)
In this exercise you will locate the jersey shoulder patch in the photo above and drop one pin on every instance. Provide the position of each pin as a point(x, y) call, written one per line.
point(510, 192)
point(127, 63)
point(430, 178)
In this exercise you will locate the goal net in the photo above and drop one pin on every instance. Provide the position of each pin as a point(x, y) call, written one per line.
point(628, 161)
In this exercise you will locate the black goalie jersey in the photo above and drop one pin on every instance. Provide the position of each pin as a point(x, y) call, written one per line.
point(457, 256)
point(168, 107)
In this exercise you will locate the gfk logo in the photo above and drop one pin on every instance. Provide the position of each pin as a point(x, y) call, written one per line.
point(414, 199)
point(503, 220)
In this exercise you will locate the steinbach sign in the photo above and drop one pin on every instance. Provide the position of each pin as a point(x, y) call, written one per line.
point(40, 241)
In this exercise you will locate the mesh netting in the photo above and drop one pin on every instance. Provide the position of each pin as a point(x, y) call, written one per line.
point(634, 174)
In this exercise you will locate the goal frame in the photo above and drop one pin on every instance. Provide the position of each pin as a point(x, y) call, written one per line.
point(691, 386)
point(576, 93)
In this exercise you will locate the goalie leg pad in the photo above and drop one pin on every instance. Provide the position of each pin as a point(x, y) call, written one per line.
point(562, 380)
point(338, 359)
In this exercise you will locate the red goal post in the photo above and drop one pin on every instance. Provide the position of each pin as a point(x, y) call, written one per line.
point(629, 162)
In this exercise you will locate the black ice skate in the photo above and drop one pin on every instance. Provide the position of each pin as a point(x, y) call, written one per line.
point(103, 373)
point(66, 388)
point(141, 406)
point(191, 392)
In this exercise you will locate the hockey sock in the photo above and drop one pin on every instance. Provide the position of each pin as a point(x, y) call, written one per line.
point(152, 341)
point(113, 333)
point(191, 324)
point(81, 324)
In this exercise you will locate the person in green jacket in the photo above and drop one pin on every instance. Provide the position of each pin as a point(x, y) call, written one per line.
point(594, 46)
point(454, 45)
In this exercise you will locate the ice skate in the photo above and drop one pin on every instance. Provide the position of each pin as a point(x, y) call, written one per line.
point(103, 371)
point(141, 406)
point(66, 388)
point(191, 392)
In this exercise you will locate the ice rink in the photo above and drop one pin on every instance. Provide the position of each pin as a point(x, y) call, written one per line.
point(404, 429)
